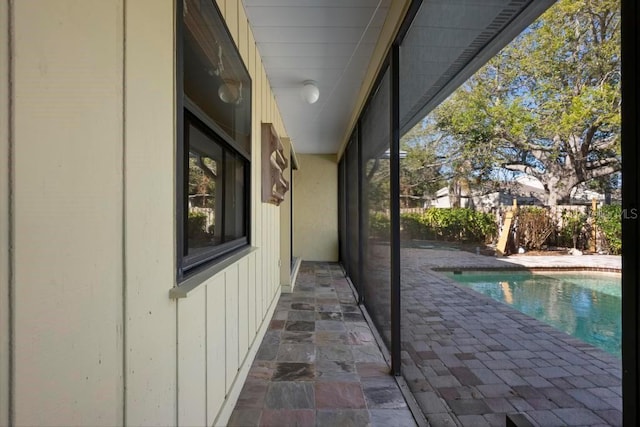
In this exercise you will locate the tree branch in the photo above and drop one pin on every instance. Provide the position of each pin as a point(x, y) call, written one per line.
point(612, 162)
point(606, 144)
point(207, 171)
point(517, 167)
point(588, 140)
point(602, 171)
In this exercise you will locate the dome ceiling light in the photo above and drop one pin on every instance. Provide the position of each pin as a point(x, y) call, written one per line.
point(310, 92)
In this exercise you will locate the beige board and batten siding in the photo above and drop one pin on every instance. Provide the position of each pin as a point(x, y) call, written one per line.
point(221, 323)
point(5, 202)
point(68, 212)
point(97, 339)
point(150, 354)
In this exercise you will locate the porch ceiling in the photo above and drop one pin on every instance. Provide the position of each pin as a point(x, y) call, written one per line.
point(331, 42)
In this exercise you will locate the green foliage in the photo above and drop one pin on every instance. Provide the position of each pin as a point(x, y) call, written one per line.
point(379, 225)
point(377, 181)
point(453, 224)
point(482, 226)
point(196, 225)
point(573, 230)
point(609, 224)
point(413, 226)
point(202, 174)
point(420, 175)
point(547, 105)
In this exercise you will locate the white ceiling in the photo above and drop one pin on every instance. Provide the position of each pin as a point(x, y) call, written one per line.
point(331, 42)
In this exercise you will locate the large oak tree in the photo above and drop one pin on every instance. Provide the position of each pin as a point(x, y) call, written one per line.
point(548, 105)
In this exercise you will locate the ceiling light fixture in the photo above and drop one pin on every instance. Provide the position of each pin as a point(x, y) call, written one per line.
point(230, 91)
point(310, 92)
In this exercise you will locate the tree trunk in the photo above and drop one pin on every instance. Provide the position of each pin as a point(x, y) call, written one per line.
point(558, 189)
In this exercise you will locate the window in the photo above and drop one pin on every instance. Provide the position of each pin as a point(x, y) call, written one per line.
point(214, 139)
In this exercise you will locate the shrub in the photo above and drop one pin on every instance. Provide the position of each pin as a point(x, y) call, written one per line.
point(196, 225)
point(573, 229)
point(434, 220)
point(534, 227)
point(460, 224)
point(609, 223)
point(453, 224)
point(413, 225)
point(379, 225)
point(483, 227)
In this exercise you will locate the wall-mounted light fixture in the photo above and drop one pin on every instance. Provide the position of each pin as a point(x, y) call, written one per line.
point(310, 92)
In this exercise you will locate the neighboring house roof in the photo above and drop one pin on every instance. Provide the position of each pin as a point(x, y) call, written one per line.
point(527, 190)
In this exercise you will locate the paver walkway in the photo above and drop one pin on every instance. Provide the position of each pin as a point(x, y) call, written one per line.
point(470, 360)
point(319, 363)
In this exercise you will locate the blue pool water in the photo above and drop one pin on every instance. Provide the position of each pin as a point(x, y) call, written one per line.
point(586, 306)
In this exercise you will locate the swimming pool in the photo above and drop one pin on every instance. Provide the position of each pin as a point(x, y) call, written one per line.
point(586, 306)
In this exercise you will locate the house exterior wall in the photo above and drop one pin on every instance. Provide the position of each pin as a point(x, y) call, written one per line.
point(4, 215)
point(150, 316)
point(315, 205)
point(67, 212)
point(97, 339)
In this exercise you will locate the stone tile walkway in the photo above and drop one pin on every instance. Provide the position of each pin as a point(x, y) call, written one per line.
point(470, 360)
point(319, 364)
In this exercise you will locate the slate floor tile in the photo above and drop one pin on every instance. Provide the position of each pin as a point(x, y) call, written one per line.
point(338, 352)
point(330, 370)
point(288, 418)
point(328, 315)
point(383, 395)
point(339, 395)
point(329, 337)
point(301, 315)
point(290, 395)
point(297, 337)
point(344, 417)
point(241, 417)
point(253, 394)
point(288, 371)
point(288, 352)
point(366, 353)
point(372, 369)
point(330, 325)
point(299, 326)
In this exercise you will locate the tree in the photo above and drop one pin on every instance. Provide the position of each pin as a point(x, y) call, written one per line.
point(548, 105)
point(420, 166)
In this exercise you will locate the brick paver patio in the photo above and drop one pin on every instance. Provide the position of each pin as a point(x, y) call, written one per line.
point(470, 360)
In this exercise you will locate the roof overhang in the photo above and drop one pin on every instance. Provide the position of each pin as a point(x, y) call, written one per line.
point(341, 46)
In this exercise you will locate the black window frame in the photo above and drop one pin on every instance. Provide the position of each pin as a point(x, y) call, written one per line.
point(189, 114)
